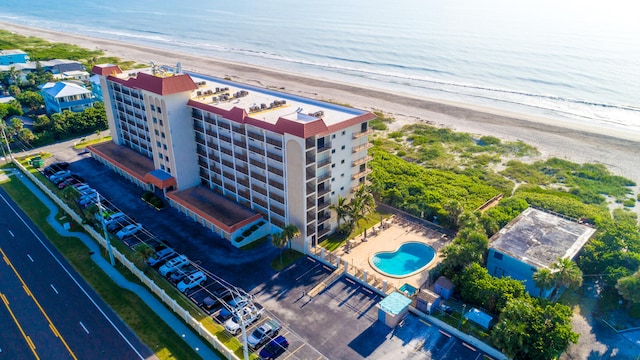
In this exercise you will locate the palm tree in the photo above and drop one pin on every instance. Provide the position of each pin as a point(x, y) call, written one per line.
point(454, 210)
point(290, 232)
point(361, 205)
point(566, 274)
point(279, 241)
point(544, 279)
point(341, 208)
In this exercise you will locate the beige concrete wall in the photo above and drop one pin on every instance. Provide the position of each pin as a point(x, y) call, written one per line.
point(108, 105)
point(295, 164)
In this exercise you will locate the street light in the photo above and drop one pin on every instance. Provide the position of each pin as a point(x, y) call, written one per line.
point(464, 307)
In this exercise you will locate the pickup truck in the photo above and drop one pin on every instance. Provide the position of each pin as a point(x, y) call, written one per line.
point(250, 314)
point(263, 333)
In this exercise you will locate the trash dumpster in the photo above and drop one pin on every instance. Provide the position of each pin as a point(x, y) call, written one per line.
point(37, 162)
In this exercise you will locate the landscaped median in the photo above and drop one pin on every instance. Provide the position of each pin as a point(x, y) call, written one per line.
point(228, 346)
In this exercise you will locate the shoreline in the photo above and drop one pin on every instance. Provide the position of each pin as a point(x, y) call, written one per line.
point(617, 148)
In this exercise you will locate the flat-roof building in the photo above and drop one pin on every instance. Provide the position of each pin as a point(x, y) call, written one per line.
point(13, 56)
point(284, 157)
point(533, 240)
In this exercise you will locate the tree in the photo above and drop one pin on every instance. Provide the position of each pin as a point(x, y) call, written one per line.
point(341, 208)
point(141, 256)
point(467, 248)
point(26, 135)
point(629, 287)
point(279, 241)
point(16, 125)
point(290, 232)
point(565, 274)
point(31, 99)
point(361, 205)
point(454, 210)
point(544, 279)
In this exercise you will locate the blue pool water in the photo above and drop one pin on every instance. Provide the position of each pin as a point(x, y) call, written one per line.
point(408, 259)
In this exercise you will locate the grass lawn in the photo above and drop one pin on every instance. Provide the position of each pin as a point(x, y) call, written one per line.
point(336, 239)
point(148, 326)
point(84, 143)
point(289, 256)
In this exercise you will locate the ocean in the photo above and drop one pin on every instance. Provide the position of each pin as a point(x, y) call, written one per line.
point(568, 60)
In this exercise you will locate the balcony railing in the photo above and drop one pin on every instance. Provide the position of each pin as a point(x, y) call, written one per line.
point(238, 130)
point(274, 142)
point(362, 147)
point(326, 146)
point(200, 141)
point(323, 163)
point(324, 177)
point(324, 191)
point(361, 161)
point(276, 184)
point(244, 182)
point(277, 198)
point(275, 170)
point(311, 202)
point(226, 151)
point(360, 174)
point(242, 169)
point(224, 125)
point(257, 163)
point(259, 177)
point(277, 210)
point(255, 136)
point(259, 189)
point(224, 138)
point(324, 231)
point(256, 150)
point(311, 228)
point(324, 217)
point(310, 143)
point(323, 205)
point(362, 133)
point(244, 194)
point(275, 157)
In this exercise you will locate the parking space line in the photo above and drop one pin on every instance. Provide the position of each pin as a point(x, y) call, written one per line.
point(350, 281)
point(468, 346)
point(293, 352)
point(444, 333)
point(424, 322)
point(367, 290)
point(30, 258)
point(85, 329)
point(11, 234)
point(306, 272)
point(54, 289)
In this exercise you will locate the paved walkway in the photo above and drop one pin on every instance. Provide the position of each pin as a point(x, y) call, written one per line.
point(178, 326)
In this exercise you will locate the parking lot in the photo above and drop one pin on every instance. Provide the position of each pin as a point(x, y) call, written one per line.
point(339, 323)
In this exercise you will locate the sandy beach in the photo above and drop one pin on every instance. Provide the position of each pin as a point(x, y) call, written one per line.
point(618, 149)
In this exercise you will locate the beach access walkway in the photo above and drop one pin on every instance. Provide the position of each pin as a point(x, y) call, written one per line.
point(178, 326)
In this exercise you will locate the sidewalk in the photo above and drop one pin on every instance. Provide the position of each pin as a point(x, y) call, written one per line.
point(178, 326)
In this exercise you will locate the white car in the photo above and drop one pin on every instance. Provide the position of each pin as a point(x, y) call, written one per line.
point(128, 230)
point(192, 281)
point(109, 218)
point(173, 264)
point(250, 314)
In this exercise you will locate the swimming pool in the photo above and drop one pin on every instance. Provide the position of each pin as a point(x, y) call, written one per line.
point(408, 259)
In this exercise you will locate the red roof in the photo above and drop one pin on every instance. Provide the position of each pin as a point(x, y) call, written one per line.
point(106, 70)
point(299, 129)
point(158, 84)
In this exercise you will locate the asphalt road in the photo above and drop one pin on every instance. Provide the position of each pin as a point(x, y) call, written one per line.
point(47, 310)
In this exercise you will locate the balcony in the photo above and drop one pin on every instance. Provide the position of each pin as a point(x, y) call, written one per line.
point(244, 182)
point(203, 163)
point(210, 120)
point(311, 202)
point(200, 141)
point(324, 191)
point(229, 187)
point(261, 202)
point(224, 138)
point(255, 136)
point(242, 144)
point(275, 170)
point(362, 147)
point(242, 157)
point(326, 146)
point(242, 169)
point(361, 161)
point(196, 114)
point(324, 177)
point(216, 181)
point(256, 150)
point(238, 130)
point(311, 228)
point(277, 198)
point(324, 217)
point(204, 174)
point(214, 157)
point(275, 157)
point(274, 142)
point(323, 205)
point(276, 184)
point(224, 125)
point(259, 177)
point(257, 163)
point(324, 231)
point(360, 174)
point(358, 135)
point(323, 163)
point(224, 150)
point(311, 216)
point(212, 133)
point(227, 163)
point(310, 143)
point(229, 176)
point(212, 145)
point(198, 128)
point(311, 174)
point(244, 194)
point(277, 210)
point(311, 158)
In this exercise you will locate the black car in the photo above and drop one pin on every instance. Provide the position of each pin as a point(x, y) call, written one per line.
point(115, 226)
point(217, 298)
point(55, 167)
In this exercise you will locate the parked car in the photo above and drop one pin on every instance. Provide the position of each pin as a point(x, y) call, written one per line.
point(274, 348)
point(74, 179)
point(55, 167)
point(263, 333)
point(59, 176)
point(115, 226)
point(88, 199)
point(235, 303)
point(247, 316)
point(181, 273)
point(109, 216)
point(173, 264)
point(191, 281)
point(160, 255)
point(128, 230)
point(217, 298)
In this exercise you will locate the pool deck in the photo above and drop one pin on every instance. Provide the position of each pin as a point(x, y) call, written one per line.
point(395, 232)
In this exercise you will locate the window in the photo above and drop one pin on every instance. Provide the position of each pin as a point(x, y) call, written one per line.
point(162, 134)
point(333, 179)
point(159, 110)
point(333, 165)
point(343, 132)
point(333, 136)
point(333, 193)
point(341, 188)
point(342, 162)
point(161, 123)
point(343, 146)
point(164, 146)
point(333, 151)
point(158, 143)
point(497, 256)
point(169, 170)
point(161, 167)
point(155, 119)
point(160, 156)
point(341, 175)
point(156, 132)
point(153, 108)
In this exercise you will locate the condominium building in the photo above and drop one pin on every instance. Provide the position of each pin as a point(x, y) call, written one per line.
point(241, 160)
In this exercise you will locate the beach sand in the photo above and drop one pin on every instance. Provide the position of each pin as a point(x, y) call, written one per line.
point(618, 149)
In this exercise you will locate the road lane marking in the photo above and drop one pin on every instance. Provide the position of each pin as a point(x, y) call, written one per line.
point(26, 289)
point(30, 258)
point(24, 335)
point(85, 329)
point(54, 289)
point(11, 234)
point(64, 268)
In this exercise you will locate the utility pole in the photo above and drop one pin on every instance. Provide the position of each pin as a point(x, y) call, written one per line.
point(106, 233)
point(4, 135)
